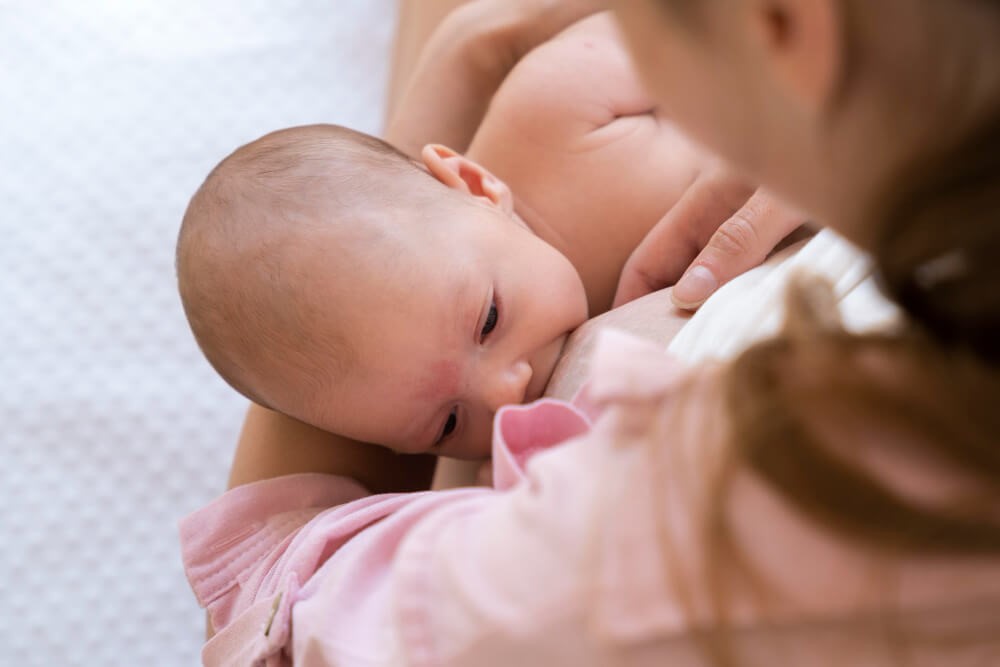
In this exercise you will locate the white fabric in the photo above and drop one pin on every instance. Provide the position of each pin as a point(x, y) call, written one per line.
point(751, 307)
point(113, 426)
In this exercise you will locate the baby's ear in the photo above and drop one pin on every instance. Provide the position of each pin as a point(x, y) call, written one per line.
point(459, 172)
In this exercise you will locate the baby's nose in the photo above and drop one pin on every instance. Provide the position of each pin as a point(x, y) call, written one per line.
point(508, 386)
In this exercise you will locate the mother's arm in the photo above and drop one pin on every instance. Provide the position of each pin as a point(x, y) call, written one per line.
point(416, 21)
point(444, 97)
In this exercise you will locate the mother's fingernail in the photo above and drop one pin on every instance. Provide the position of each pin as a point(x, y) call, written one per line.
point(694, 287)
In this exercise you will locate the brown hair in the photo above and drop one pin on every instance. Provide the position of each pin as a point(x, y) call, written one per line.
point(790, 398)
point(804, 406)
point(938, 381)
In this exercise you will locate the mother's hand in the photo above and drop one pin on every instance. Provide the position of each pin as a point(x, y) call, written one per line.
point(653, 317)
point(721, 227)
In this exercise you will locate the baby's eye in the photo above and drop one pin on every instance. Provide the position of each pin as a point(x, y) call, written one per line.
point(449, 426)
point(491, 321)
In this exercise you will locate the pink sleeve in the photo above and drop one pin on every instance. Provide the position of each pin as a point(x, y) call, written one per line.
point(248, 553)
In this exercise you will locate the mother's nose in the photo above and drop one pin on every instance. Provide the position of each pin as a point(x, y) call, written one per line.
point(506, 385)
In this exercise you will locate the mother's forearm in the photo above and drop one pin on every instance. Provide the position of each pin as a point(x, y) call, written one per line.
point(416, 21)
point(445, 96)
point(272, 444)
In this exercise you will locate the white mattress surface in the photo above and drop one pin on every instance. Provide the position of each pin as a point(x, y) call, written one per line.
point(111, 424)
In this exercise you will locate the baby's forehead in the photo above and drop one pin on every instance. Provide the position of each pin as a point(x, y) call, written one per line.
point(398, 230)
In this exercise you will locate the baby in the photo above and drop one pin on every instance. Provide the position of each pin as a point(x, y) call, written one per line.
point(396, 301)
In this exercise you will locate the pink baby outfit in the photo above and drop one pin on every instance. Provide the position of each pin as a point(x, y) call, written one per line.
point(586, 553)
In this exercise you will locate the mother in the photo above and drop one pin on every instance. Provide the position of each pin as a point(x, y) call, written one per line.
point(824, 499)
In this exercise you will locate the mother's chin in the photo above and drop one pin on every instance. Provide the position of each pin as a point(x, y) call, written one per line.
point(653, 317)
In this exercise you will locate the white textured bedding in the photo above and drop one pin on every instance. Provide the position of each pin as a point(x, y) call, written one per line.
point(111, 424)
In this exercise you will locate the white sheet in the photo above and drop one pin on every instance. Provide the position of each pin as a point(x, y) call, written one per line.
point(111, 424)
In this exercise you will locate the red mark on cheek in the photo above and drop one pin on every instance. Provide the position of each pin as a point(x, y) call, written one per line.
point(441, 380)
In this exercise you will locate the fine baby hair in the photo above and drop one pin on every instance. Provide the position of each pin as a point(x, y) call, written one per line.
point(253, 229)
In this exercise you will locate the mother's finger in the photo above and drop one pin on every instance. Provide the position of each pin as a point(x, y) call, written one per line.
point(738, 245)
point(669, 248)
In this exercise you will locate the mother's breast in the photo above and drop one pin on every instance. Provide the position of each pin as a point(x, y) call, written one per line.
point(653, 318)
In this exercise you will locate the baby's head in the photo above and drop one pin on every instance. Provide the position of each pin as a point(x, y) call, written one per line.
point(329, 277)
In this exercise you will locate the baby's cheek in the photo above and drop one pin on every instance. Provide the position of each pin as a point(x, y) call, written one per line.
point(441, 381)
point(560, 290)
